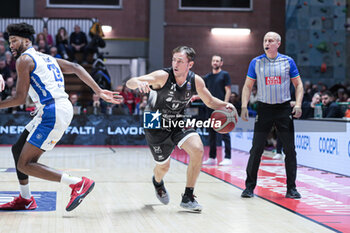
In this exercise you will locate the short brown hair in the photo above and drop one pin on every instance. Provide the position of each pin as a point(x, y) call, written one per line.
point(191, 54)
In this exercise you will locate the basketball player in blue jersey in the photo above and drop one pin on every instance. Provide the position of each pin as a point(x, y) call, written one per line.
point(41, 76)
point(273, 73)
point(171, 89)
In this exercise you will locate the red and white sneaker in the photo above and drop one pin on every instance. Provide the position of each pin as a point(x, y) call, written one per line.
point(79, 192)
point(20, 203)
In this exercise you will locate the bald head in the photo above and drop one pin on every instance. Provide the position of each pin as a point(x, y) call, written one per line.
point(271, 43)
point(274, 35)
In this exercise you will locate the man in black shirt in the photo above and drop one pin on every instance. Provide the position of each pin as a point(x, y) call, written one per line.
point(218, 83)
point(308, 108)
point(170, 91)
point(330, 109)
point(78, 42)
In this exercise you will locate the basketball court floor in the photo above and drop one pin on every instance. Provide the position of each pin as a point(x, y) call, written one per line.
point(124, 200)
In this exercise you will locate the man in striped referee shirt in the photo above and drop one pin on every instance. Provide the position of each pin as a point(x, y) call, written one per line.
point(274, 72)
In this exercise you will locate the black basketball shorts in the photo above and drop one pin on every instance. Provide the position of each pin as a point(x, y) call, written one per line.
point(163, 142)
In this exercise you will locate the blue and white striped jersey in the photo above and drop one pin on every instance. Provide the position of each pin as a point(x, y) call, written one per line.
point(46, 79)
point(273, 77)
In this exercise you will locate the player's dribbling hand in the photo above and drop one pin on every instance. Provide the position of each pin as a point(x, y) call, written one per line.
point(297, 111)
point(230, 106)
point(143, 87)
point(111, 96)
point(244, 114)
point(2, 83)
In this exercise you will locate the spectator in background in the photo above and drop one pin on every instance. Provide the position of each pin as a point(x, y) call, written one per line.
point(48, 37)
point(13, 74)
point(235, 100)
point(96, 35)
point(4, 42)
point(138, 97)
point(62, 43)
point(323, 87)
point(330, 109)
point(307, 91)
point(10, 61)
point(129, 99)
point(308, 108)
point(42, 47)
point(9, 84)
point(73, 97)
point(78, 42)
point(342, 96)
point(4, 69)
point(140, 107)
point(40, 36)
point(314, 89)
point(98, 105)
point(2, 51)
point(101, 75)
point(53, 52)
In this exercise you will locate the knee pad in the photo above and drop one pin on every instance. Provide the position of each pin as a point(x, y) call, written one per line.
point(16, 152)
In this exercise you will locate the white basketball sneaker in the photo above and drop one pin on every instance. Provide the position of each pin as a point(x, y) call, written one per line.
point(210, 161)
point(225, 162)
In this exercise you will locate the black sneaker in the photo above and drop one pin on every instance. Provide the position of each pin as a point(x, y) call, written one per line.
point(293, 193)
point(190, 203)
point(161, 193)
point(247, 193)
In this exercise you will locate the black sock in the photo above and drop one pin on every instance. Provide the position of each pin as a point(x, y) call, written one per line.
point(189, 192)
point(156, 184)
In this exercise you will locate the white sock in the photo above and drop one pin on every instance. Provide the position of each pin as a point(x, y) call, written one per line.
point(68, 179)
point(25, 191)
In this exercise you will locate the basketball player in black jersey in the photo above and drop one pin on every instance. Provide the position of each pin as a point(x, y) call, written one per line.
point(170, 91)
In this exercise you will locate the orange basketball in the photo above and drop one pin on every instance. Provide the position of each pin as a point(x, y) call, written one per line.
point(227, 117)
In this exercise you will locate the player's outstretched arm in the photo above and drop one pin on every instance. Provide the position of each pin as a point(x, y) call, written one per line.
point(73, 68)
point(209, 100)
point(155, 79)
point(2, 83)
